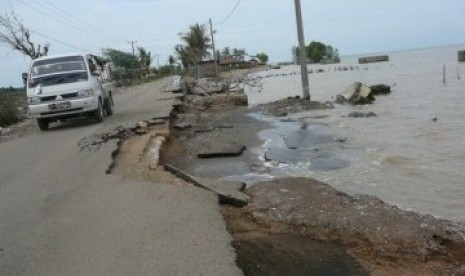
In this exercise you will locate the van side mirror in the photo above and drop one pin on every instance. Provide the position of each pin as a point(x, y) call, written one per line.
point(24, 76)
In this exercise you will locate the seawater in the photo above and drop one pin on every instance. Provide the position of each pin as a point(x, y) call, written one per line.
point(413, 153)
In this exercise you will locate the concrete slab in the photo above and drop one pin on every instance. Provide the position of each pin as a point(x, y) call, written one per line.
point(228, 191)
point(222, 150)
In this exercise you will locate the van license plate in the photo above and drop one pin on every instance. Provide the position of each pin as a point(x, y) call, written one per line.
point(59, 105)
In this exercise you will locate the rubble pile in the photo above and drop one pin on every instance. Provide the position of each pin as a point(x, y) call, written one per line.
point(206, 94)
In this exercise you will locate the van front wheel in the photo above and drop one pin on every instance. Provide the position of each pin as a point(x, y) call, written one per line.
point(108, 106)
point(43, 123)
point(98, 114)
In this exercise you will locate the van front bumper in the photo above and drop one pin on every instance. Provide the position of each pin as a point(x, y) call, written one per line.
point(63, 108)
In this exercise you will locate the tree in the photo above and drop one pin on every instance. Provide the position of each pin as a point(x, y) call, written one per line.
point(262, 57)
point(184, 55)
point(315, 51)
point(18, 37)
point(197, 44)
point(124, 69)
point(120, 59)
point(239, 53)
point(145, 59)
point(171, 59)
point(295, 55)
point(226, 52)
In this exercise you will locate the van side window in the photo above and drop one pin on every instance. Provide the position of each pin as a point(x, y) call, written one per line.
point(92, 66)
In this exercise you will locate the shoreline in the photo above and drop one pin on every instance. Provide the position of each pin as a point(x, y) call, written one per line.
point(289, 218)
point(425, 244)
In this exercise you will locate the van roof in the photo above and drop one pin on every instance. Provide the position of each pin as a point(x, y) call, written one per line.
point(68, 55)
point(60, 55)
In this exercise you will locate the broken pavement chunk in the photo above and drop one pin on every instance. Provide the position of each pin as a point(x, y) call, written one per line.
point(141, 127)
point(222, 150)
point(182, 126)
point(228, 192)
point(203, 129)
point(156, 122)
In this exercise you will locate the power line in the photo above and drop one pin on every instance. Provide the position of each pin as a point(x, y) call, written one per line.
point(18, 25)
point(77, 20)
point(52, 15)
point(56, 16)
point(230, 13)
point(59, 41)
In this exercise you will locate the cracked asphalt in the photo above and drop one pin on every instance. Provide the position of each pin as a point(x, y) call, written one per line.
point(62, 215)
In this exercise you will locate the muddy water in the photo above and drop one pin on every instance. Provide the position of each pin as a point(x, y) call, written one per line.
point(402, 156)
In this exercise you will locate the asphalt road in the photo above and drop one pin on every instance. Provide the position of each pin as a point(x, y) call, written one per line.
point(60, 214)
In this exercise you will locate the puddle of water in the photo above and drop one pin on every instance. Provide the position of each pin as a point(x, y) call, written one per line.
point(301, 147)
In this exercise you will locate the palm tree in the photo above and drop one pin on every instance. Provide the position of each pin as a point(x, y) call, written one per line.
point(226, 52)
point(197, 44)
point(145, 59)
point(184, 55)
point(239, 54)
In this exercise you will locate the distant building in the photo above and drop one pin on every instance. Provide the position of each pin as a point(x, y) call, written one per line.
point(254, 62)
point(230, 61)
point(238, 62)
point(372, 59)
point(461, 55)
point(205, 69)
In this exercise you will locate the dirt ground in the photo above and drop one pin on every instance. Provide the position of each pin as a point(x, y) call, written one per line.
point(384, 239)
point(290, 219)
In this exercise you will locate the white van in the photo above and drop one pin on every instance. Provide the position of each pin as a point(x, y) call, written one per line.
point(67, 86)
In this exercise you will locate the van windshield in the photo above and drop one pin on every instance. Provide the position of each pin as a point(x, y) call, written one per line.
point(58, 71)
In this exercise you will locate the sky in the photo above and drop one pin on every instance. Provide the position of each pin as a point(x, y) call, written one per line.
point(353, 26)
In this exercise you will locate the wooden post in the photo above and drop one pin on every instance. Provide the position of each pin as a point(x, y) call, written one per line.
point(444, 74)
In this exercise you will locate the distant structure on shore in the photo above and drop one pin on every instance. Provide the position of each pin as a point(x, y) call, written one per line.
point(461, 55)
point(206, 68)
point(372, 59)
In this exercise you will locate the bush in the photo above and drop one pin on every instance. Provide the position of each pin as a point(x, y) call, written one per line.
point(167, 70)
point(125, 77)
point(9, 103)
point(8, 115)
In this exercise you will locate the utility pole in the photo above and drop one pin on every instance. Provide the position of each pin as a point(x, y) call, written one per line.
point(158, 59)
point(303, 58)
point(132, 46)
point(214, 51)
point(136, 65)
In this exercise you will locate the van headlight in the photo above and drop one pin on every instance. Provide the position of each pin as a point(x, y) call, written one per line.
point(33, 100)
point(85, 93)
